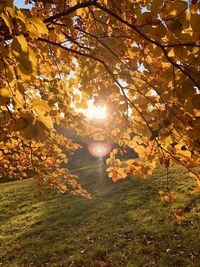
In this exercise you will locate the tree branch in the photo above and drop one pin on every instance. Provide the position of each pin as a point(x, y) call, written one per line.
point(147, 38)
point(69, 11)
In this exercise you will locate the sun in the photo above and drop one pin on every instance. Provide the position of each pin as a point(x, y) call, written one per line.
point(94, 112)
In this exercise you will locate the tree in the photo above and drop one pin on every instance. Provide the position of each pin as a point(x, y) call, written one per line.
point(140, 58)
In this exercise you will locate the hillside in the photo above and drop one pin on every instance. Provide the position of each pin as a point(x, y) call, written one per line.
point(125, 224)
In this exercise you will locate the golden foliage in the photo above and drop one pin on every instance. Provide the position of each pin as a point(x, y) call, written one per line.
point(140, 58)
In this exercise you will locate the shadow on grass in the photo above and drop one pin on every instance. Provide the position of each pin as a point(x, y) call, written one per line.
point(124, 224)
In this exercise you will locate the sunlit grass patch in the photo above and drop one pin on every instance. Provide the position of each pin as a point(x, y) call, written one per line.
point(125, 223)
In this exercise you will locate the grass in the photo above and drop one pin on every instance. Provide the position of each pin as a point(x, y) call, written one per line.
point(125, 224)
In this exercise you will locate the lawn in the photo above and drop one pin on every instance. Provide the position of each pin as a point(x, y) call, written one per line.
point(125, 223)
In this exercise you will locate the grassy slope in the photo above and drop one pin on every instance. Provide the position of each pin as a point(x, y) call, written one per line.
point(125, 224)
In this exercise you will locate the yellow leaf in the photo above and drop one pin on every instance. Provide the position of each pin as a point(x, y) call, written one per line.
point(175, 26)
point(188, 89)
point(5, 96)
point(41, 105)
point(18, 99)
point(193, 175)
point(19, 43)
point(177, 7)
point(110, 174)
point(122, 173)
point(160, 30)
point(21, 15)
point(8, 21)
point(181, 52)
point(196, 190)
point(156, 6)
point(11, 11)
point(45, 120)
point(130, 161)
point(20, 124)
point(196, 102)
point(39, 26)
point(171, 53)
point(140, 150)
point(132, 144)
point(29, 132)
point(195, 22)
point(115, 151)
point(108, 161)
point(109, 169)
point(26, 66)
point(168, 197)
point(185, 153)
point(73, 2)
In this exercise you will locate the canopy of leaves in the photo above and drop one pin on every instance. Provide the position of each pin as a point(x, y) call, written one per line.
point(139, 58)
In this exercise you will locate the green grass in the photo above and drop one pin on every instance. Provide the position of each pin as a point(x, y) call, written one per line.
point(125, 224)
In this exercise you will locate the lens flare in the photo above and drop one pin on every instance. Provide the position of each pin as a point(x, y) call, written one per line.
point(99, 149)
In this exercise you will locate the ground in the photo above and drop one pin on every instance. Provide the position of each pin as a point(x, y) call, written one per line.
point(125, 224)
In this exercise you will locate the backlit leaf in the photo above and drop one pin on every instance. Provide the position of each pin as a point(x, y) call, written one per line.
point(195, 22)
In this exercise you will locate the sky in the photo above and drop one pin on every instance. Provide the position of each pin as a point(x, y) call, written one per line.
point(20, 4)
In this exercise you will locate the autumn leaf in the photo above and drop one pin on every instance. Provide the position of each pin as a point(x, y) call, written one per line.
point(179, 215)
point(5, 96)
